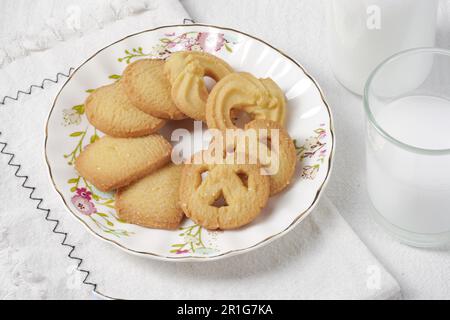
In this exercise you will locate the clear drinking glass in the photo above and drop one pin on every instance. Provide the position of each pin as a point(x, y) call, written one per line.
point(407, 104)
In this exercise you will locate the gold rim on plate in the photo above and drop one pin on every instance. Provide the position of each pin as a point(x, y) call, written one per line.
point(229, 253)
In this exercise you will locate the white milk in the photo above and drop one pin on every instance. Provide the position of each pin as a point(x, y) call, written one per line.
point(411, 190)
point(362, 33)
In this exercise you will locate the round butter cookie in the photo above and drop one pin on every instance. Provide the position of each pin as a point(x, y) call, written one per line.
point(186, 71)
point(110, 111)
point(149, 90)
point(222, 196)
point(152, 201)
point(242, 92)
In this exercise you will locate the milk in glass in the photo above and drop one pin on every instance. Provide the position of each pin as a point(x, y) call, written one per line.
point(411, 189)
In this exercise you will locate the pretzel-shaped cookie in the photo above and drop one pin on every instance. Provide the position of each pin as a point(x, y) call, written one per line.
point(186, 71)
point(284, 153)
point(264, 142)
point(260, 98)
point(241, 187)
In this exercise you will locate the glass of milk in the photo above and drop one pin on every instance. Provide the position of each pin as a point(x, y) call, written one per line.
point(362, 33)
point(407, 104)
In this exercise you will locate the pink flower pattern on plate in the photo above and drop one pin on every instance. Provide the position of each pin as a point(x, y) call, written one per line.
point(83, 205)
point(210, 42)
point(84, 193)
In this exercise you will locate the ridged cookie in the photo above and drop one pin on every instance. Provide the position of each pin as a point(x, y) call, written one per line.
point(186, 71)
point(109, 110)
point(110, 163)
point(148, 89)
point(153, 201)
point(222, 196)
point(241, 91)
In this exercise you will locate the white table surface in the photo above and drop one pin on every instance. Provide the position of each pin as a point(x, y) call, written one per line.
point(297, 28)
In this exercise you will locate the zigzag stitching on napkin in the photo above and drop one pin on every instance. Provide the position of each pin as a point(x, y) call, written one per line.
point(58, 75)
point(47, 216)
point(40, 200)
point(41, 86)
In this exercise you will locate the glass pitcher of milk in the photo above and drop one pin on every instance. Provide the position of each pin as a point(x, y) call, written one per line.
point(362, 33)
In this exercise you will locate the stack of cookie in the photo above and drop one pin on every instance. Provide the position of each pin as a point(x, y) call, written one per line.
point(134, 159)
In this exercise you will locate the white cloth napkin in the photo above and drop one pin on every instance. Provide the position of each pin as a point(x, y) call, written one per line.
point(321, 258)
point(70, 49)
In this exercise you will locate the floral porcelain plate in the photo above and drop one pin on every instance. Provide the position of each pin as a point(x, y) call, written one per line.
point(309, 122)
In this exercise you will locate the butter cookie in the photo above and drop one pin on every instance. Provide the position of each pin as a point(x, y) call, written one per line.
point(222, 196)
point(242, 92)
point(148, 89)
point(186, 71)
point(152, 201)
point(109, 110)
point(278, 158)
point(110, 163)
